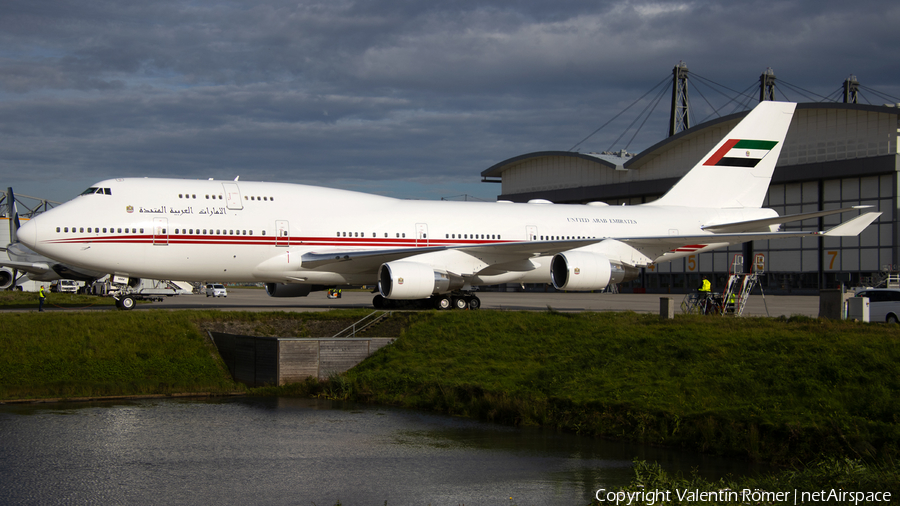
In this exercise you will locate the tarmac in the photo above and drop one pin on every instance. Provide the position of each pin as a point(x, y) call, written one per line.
point(249, 299)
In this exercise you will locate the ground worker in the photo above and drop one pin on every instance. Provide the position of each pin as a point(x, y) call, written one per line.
point(705, 287)
point(41, 298)
point(731, 300)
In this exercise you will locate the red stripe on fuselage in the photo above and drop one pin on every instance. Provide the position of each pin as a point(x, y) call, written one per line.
point(356, 242)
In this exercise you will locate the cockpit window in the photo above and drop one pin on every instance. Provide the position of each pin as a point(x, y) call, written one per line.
point(94, 189)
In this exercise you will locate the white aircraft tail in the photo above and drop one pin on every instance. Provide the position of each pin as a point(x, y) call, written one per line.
point(736, 173)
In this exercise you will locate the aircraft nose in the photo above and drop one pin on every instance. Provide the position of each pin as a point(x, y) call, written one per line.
point(27, 233)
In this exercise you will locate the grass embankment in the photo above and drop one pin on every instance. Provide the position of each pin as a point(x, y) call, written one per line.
point(770, 390)
point(116, 353)
point(11, 299)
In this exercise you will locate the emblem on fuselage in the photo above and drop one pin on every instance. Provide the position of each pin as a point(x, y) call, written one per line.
point(399, 281)
point(129, 209)
point(577, 271)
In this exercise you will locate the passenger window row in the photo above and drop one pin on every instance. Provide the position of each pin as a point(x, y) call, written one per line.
point(472, 236)
point(197, 231)
point(220, 197)
point(563, 237)
point(126, 230)
point(97, 230)
point(363, 234)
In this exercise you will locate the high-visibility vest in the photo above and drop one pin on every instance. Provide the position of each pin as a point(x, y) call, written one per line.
point(706, 286)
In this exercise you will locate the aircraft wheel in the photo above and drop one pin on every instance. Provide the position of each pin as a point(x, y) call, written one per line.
point(378, 302)
point(474, 303)
point(442, 302)
point(125, 303)
point(460, 303)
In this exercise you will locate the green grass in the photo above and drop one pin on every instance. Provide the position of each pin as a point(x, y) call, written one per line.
point(772, 390)
point(29, 300)
point(106, 353)
point(113, 353)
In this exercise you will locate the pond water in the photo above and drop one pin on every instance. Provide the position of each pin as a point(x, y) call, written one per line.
point(302, 451)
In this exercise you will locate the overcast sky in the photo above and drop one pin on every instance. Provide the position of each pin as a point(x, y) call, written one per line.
point(405, 98)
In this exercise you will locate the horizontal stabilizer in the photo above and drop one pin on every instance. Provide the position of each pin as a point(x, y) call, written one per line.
point(853, 227)
point(764, 224)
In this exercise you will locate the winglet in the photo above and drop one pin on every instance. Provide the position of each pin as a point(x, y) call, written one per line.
point(853, 227)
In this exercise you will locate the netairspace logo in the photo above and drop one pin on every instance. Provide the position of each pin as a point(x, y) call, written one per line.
point(651, 497)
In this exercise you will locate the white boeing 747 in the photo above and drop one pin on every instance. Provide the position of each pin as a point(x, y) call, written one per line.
point(299, 238)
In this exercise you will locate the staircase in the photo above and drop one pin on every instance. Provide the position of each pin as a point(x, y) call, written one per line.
point(371, 319)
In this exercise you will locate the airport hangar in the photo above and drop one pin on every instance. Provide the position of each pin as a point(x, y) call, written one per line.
point(835, 155)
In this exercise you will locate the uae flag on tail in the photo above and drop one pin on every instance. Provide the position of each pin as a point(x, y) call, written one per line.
point(741, 153)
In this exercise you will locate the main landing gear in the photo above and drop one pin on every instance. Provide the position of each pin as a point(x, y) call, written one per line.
point(439, 302)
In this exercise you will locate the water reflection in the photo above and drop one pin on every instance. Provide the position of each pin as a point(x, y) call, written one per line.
point(299, 451)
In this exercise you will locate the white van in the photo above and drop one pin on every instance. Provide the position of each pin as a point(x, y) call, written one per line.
point(216, 290)
point(884, 304)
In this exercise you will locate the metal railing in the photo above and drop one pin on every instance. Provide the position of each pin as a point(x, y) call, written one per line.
point(370, 319)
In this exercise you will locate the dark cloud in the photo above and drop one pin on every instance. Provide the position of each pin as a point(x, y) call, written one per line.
point(404, 97)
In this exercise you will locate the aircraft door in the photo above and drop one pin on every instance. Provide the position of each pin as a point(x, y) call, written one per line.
point(282, 233)
point(232, 196)
point(160, 231)
point(531, 233)
point(421, 234)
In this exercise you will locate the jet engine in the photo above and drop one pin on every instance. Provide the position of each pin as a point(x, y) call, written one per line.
point(6, 278)
point(411, 280)
point(580, 271)
point(287, 290)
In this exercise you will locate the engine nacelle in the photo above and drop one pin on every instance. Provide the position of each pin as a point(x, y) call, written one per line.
point(412, 280)
point(580, 271)
point(287, 290)
point(6, 278)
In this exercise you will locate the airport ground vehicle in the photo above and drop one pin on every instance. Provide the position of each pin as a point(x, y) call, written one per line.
point(127, 291)
point(884, 304)
point(216, 290)
point(64, 286)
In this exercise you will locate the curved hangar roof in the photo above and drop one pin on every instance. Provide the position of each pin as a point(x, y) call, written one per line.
point(821, 138)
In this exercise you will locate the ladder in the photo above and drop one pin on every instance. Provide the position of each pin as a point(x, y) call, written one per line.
point(893, 281)
point(740, 285)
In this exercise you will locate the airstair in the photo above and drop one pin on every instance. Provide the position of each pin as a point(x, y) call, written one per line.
point(740, 285)
point(892, 281)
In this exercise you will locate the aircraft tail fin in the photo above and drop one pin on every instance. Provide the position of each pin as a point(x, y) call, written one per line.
point(737, 171)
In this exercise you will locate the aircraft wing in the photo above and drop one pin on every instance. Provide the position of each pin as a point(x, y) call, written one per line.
point(510, 252)
point(764, 224)
point(363, 260)
point(654, 247)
